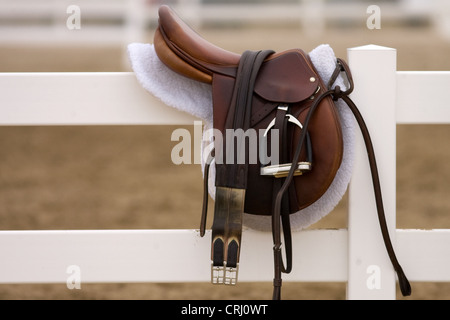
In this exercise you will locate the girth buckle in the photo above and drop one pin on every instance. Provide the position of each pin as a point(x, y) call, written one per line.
point(217, 274)
point(224, 275)
point(231, 274)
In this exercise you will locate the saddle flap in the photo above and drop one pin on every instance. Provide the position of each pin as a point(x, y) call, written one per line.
point(287, 77)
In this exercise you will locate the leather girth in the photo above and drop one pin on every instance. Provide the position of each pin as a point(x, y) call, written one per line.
point(231, 175)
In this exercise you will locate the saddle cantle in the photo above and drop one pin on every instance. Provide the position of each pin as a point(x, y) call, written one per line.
point(267, 99)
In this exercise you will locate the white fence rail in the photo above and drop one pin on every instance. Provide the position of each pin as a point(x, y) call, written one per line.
point(385, 97)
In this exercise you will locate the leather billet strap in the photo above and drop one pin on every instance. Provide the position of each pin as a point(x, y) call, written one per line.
point(336, 94)
point(231, 178)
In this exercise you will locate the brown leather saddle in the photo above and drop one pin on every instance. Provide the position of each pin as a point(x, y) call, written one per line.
point(280, 142)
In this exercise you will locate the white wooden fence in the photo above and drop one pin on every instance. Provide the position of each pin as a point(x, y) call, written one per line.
point(355, 255)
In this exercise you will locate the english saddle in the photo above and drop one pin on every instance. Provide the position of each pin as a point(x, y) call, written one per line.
point(278, 104)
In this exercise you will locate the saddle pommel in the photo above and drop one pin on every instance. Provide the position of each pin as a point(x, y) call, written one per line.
point(186, 52)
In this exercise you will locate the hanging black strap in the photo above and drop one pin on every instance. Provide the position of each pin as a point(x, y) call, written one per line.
point(404, 284)
point(336, 94)
point(231, 178)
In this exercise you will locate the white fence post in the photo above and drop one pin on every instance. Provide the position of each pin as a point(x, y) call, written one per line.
point(371, 275)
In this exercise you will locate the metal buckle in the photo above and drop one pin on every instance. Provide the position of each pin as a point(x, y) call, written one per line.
point(217, 274)
point(224, 275)
point(231, 275)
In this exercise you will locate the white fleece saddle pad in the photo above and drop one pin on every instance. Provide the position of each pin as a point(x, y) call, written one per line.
point(195, 98)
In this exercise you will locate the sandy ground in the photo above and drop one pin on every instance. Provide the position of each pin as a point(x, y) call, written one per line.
point(113, 177)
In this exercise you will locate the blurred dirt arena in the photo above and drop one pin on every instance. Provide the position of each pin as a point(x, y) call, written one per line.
point(122, 177)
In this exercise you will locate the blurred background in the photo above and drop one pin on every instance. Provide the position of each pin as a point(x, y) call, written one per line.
point(119, 177)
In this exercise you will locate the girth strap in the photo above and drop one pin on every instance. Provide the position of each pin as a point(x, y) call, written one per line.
point(231, 176)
